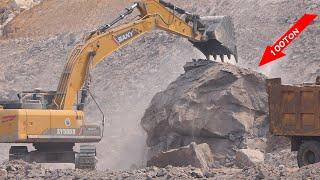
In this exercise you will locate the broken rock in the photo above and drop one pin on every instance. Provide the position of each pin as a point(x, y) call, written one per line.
point(197, 173)
point(199, 156)
point(3, 174)
point(249, 158)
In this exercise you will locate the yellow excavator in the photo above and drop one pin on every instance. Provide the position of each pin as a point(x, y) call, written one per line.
point(53, 121)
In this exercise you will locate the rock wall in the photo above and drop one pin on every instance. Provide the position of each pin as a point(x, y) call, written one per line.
point(219, 104)
point(27, 4)
point(11, 8)
point(7, 12)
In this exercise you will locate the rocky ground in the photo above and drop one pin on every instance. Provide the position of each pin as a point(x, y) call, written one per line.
point(22, 170)
point(37, 41)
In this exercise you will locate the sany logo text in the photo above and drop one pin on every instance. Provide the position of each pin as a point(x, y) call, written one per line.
point(126, 36)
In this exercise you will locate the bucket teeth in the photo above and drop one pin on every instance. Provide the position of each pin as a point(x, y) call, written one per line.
point(222, 57)
point(229, 56)
point(214, 48)
point(214, 56)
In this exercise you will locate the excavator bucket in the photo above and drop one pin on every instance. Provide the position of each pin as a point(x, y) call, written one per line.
point(220, 37)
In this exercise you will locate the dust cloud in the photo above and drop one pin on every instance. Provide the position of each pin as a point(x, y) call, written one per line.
point(124, 103)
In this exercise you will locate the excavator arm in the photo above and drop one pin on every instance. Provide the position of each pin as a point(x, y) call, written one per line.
point(214, 38)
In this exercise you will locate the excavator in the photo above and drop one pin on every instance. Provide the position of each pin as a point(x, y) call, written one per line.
point(54, 121)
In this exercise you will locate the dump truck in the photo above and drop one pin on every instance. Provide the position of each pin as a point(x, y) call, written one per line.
point(53, 121)
point(295, 113)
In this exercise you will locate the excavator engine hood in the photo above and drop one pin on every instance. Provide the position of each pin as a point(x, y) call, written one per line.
point(219, 37)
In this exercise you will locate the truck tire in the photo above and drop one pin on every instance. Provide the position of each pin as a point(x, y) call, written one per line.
point(308, 153)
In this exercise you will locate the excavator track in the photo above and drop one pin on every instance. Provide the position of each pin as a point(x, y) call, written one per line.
point(86, 158)
point(47, 153)
point(53, 153)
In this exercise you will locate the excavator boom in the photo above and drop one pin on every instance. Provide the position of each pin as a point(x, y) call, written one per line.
point(212, 35)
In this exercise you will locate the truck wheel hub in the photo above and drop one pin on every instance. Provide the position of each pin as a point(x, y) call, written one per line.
point(310, 157)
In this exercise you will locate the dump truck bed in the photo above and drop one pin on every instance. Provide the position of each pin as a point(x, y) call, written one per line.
point(294, 109)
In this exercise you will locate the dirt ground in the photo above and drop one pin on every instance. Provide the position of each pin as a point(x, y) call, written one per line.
point(20, 169)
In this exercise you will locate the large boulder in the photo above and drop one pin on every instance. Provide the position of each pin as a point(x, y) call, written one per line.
point(195, 155)
point(215, 103)
point(249, 158)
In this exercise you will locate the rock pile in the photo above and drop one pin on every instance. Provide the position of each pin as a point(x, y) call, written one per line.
point(218, 104)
